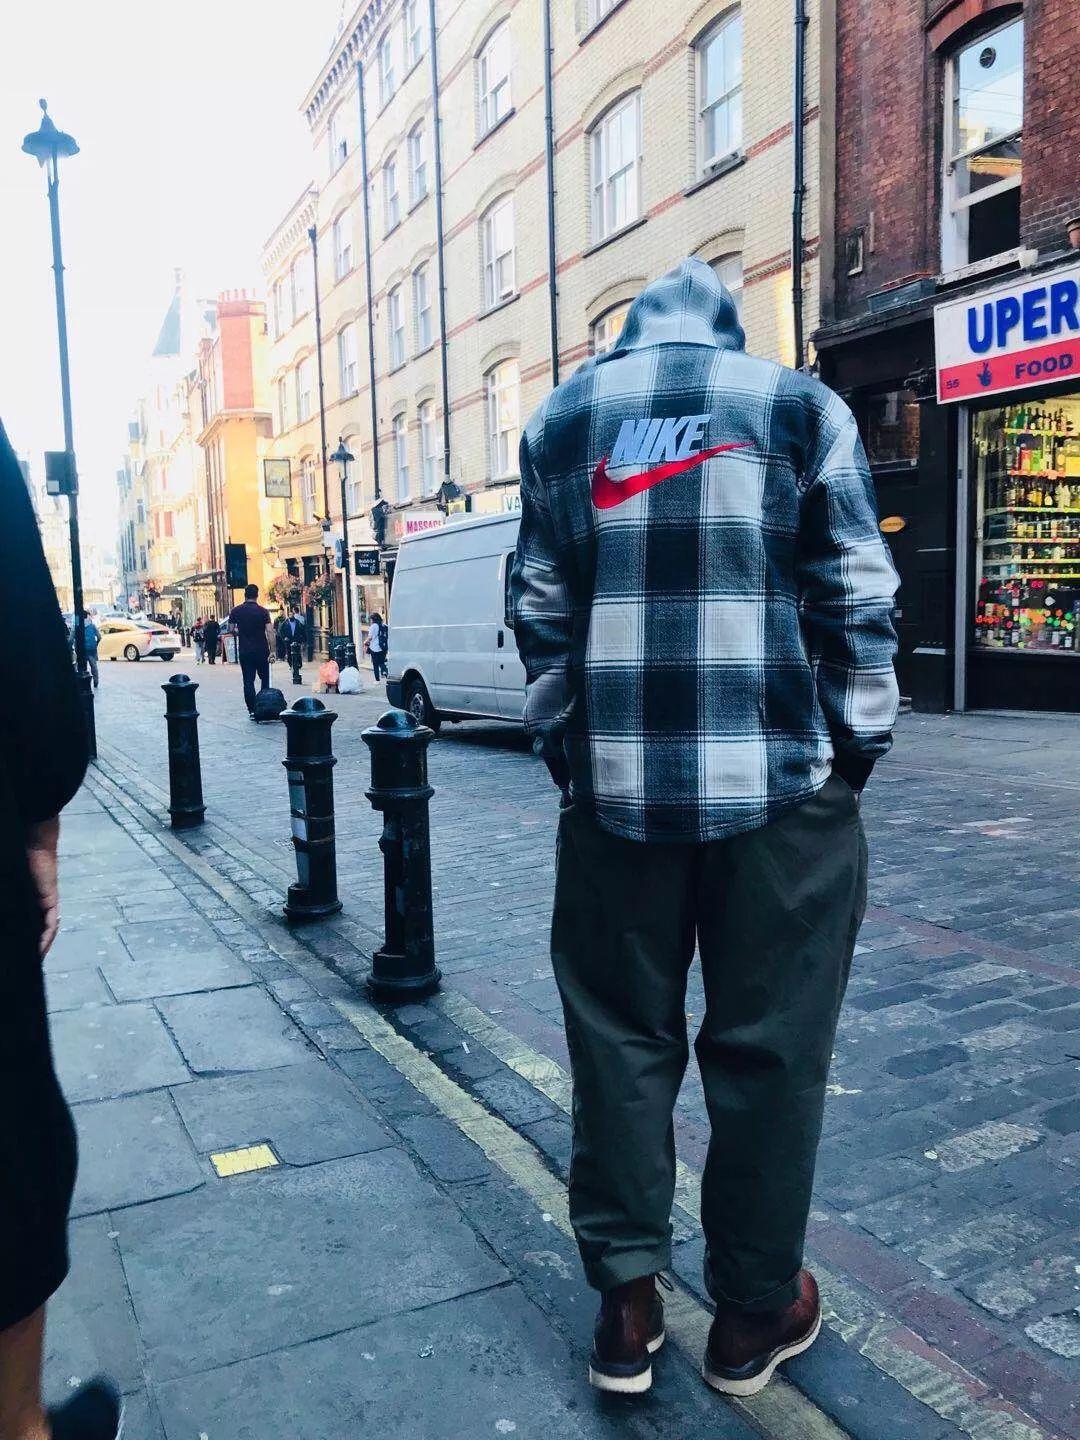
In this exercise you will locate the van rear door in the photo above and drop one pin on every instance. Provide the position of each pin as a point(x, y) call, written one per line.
point(509, 671)
point(468, 603)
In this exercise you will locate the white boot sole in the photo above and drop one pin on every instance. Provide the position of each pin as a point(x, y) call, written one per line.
point(757, 1383)
point(627, 1384)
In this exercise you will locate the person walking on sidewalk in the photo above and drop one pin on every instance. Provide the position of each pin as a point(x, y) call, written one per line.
point(377, 640)
point(703, 604)
point(198, 639)
point(212, 639)
point(92, 640)
point(42, 762)
point(255, 638)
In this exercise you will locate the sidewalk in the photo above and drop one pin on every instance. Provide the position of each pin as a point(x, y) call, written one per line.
point(944, 1228)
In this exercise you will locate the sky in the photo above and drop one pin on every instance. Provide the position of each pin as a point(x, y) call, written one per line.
point(192, 148)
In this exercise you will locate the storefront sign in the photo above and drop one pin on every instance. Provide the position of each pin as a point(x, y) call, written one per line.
point(892, 525)
point(503, 501)
point(1024, 333)
point(366, 562)
point(277, 481)
point(415, 522)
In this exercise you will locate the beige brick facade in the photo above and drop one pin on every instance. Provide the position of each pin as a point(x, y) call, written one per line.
point(493, 149)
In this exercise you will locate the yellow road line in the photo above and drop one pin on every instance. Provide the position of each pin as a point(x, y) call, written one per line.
point(783, 1412)
point(864, 1326)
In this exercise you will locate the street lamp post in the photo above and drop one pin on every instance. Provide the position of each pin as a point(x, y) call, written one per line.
point(343, 459)
point(47, 144)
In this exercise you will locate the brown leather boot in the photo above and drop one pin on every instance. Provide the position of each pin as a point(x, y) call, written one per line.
point(744, 1350)
point(629, 1330)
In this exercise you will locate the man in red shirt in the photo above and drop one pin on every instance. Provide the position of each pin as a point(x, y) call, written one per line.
point(255, 633)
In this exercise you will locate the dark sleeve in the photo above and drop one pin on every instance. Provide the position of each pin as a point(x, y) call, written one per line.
point(42, 732)
point(232, 615)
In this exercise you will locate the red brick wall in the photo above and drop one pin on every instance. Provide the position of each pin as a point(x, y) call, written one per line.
point(235, 318)
point(888, 118)
point(1050, 194)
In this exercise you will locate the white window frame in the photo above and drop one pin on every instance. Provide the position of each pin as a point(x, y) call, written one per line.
point(607, 328)
point(301, 281)
point(307, 489)
point(503, 440)
point(395, 327)
point(305, 390)
point(418, 186)
point(496, 256)
point(338, 139)
point(391, 195)
point(430, 449)
point(597, 10)
point(284, 398)
point(604, 218)
point(722, 268)
point(348, 360)
point(282, 293)
point(385, 57)
point(354, 488)
point(342, 235)
point(494, 64)
point(399, 440)
point(730, 100)
point(414, 33)
point(422, 314)
point(956, 208)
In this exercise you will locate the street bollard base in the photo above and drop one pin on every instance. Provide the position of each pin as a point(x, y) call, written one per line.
point(187, 819)
point(298, 909)
point(383, 984)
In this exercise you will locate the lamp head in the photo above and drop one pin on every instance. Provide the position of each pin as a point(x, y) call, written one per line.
point(341, 456)
point(47, 142)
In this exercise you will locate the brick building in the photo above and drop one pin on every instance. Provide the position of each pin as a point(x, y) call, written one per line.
point(456, 283)
point(949, 317)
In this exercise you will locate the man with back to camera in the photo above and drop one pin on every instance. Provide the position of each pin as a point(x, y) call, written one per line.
point(703, 604)
point(255, 636)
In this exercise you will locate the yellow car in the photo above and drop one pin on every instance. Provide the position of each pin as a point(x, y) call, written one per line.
point(136, 640)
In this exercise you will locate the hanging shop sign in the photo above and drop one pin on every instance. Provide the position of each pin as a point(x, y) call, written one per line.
point(415, 522)
point(277, 480)
point(366, 562)
point(1023, 333)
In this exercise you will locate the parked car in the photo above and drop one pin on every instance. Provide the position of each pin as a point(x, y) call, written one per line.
point(452, 653)
point(136, 640)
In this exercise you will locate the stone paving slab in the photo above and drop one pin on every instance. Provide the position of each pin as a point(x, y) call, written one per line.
point(114, 1050)
point(232, 1030)
point(198, 969)
point(91, 1324)
point(274, 1258)
point(132, 1150)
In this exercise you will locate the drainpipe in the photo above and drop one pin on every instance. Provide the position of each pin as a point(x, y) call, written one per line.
point(439, 242)
point(367, 278)
point(313, 236)
point(549, 159)
point(799, 194)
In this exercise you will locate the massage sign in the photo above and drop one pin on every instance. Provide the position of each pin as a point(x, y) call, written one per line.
point(1023, 333)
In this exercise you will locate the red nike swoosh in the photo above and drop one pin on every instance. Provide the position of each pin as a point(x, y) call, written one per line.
point(607, 492)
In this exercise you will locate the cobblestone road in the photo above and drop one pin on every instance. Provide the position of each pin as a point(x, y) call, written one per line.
point(947, 1205)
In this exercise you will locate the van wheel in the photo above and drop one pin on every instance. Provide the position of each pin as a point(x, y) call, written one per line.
point(418, 703)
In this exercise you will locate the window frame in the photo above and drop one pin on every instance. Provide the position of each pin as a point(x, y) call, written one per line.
point(622, 308)
point(384, 57)
point(422, 271)
point(304, 371)
point(308, 489)
point(599, 189)
point(395, 332)
point(491, 260)
point(285, 397)
point(412, 57)
point(338, 140)
point(492, 391)
point(490, 113)
point(391, 197)
point(707, 164)
point(417, 164)
point(344, 363)
point(354, 488)
point(341, 270)
point(399, 442)
point(736, 295)
point(426, 419)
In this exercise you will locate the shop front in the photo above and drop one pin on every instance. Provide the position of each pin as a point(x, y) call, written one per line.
point(1008, 363)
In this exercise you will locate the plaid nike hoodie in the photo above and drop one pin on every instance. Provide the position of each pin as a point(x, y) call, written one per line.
point(701, 597)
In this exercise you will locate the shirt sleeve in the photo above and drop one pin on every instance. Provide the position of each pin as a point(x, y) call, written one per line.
point(541, 606)
point(847, 592)
point(43, 745)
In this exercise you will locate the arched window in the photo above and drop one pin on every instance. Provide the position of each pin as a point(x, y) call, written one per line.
point(615, 151)
point(395, 319)
point(497, 247)
point(729, 272)
point(493, 78)
point(342, 245)
point(348, 369)
point(608, 328)
point(417, 148)
point(400, 442)
point(719, 92)
point(421, 284)
point(430, 456)
point(504, 423)
point(303, 390)
point(391, 195)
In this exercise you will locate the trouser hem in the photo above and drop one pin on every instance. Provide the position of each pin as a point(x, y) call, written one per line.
point(626, 1266)
point(778, 1299)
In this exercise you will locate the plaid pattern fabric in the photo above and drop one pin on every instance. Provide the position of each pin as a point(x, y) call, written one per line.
point(704, 641)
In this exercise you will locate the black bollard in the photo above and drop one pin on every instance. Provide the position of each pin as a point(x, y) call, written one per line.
point(185, 774)
point(404, 969)
point(296, 658)
point(310, 764)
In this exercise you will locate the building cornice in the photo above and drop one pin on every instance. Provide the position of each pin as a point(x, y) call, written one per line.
point(348, 47)
point(297, 222)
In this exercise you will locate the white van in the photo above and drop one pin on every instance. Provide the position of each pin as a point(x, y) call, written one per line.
point(452, 651)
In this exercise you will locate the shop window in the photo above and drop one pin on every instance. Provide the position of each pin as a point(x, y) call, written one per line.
point(729, 271)
point(1026, 464)
point(984, 114)
point(497, 240)
point(608, 328)
point(493, 79)
point(719, 91)
point(892, 428)
point(504, 422)
point(615, 150)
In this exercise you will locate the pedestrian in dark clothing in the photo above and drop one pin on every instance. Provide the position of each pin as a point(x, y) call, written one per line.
point(212, 639)
point(378, 641)
point(42, 761)
point(281, 638)
point(702, 601)
point(91, 640)
point(254, 630)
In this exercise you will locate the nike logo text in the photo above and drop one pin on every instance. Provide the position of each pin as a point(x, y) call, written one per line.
point(607, 492)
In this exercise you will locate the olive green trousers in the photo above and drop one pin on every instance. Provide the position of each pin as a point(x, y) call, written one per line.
point(773, 914)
